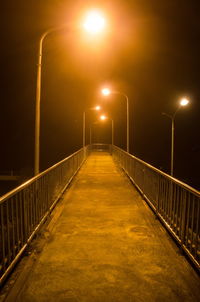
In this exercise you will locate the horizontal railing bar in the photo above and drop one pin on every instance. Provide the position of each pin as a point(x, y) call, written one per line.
point(33, 179)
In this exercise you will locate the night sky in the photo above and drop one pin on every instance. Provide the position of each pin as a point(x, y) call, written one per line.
point(150, 51)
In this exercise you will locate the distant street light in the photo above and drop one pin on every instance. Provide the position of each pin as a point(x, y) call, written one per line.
point(97, 108)
point(94, 23)
point(103, 118)
point(183, 102)
point(107, 92)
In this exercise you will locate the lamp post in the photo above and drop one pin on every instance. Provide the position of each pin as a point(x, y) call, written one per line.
point(97, 108)
point(103, 117)
point(38, 97)
point(94, 23)
point(184, 102)
point(106, 92)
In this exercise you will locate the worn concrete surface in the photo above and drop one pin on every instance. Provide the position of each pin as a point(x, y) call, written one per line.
point(108, 246)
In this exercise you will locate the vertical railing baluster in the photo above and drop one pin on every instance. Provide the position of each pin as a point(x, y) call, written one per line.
point(183, 218)
point(192, 225)
point(21, 219)
point(25, 218)
point(13, 228)
point(8, 225)
point(17, 221)
point(188, 220)
point(3, 251)
point(197, 230)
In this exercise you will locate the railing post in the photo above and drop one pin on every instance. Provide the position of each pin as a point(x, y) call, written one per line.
point(158, 195)
point(25, 215)
point(183, 220)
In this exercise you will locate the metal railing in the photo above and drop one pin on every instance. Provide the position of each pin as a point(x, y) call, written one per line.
point(23, 210)
point(176, 204)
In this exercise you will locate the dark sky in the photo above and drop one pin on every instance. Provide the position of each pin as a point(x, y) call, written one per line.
point(150, 51)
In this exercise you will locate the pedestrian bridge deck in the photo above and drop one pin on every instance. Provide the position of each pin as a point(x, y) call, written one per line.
point(105, 244)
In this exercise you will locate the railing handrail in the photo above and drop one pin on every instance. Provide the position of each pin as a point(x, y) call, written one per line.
point(175, 203)
point(177, 181)
point(33, 179)
point(24, 209)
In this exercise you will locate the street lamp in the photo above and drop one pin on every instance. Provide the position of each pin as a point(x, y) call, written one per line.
point(103, 118)
point(93, 23)
point(107, 92)
point(183, 102)
point(97, 108)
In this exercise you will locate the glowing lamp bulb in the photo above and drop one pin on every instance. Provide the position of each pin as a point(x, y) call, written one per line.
point(97, 108)
point(102, 117)
point(184, 102)
point(105, 91)
point(94, 22)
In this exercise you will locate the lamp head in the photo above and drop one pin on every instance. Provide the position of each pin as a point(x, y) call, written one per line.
point(103, 117)
point(98, 108)
point(94, 22)
point(184, 102)
point(105, 91)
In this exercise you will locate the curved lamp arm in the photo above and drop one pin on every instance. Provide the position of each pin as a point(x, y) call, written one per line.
point(38, 96)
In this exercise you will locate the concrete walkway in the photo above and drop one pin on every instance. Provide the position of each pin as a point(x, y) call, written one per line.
point(107, 246)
